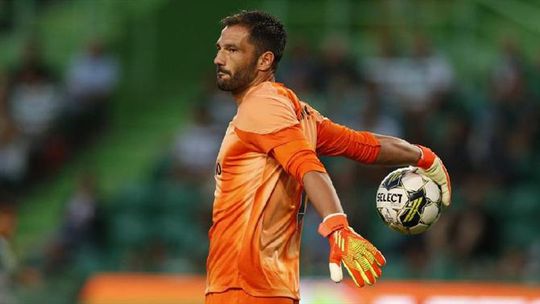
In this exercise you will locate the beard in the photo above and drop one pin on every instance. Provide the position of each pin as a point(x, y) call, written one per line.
point(237, 81)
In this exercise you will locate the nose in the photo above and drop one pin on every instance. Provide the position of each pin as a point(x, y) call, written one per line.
point(218, 60)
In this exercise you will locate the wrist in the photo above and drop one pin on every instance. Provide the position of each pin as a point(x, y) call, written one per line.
point(427, 157)
point(333, 222)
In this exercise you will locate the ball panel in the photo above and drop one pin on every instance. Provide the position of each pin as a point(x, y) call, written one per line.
point(410, 216)
point(392, 180)
point(388, 215)
point(430, 213)
point(412, 181)
point(433, 192)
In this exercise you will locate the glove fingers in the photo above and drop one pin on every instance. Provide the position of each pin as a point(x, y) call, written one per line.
point(371, 264)
point(438, 173)
point(365, 272)
point(355, 275)
point(447, 189)
point(445, 196)
point(373, 254)
point(377, 271)
point(336, 273)
point(374, 272)
point(379, 258)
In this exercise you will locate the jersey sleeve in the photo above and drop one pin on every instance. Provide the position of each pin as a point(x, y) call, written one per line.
point(337, 140)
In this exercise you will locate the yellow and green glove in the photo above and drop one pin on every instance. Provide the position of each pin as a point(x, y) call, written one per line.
point(432, 166)
point(362, 260)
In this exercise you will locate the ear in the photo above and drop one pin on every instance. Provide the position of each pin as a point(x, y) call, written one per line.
point(266, 60)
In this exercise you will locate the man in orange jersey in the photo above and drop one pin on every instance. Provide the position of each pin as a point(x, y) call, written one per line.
point(269, 155)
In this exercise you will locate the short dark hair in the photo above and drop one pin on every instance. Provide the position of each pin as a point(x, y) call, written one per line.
point(267, 33)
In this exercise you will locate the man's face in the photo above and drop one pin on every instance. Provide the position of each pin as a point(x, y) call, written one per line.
point(235, 60)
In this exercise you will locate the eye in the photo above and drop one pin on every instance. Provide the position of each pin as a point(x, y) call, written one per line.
point(233, 50)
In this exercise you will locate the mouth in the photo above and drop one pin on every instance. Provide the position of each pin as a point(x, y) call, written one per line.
point(221, 74)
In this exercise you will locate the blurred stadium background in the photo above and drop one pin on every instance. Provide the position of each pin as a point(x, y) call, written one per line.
point(110, 123)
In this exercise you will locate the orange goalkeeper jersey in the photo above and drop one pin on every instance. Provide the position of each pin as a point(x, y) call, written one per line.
point(256, 220)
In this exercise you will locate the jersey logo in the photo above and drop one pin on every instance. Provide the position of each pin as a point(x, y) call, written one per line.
point(301, 211)
point(218, 168)
point(304, 113)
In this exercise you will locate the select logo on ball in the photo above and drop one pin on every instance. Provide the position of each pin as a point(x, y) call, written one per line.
point(389, 197)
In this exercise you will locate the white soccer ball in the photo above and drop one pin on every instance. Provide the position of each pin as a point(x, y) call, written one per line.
point(408, 201)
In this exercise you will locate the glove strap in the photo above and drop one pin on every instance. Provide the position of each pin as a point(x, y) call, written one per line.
point(333, 222)
point(426, 159)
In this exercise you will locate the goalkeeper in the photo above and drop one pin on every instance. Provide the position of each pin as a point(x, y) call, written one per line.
point(268, 157)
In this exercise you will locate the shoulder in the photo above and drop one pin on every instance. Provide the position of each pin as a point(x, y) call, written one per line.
point(267, 93)
point(309, 111)
point(266, 108)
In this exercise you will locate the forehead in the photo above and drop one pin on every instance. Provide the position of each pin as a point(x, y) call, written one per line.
point(234, 34)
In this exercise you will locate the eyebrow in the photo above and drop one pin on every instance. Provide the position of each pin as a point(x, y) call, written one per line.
point(227, 45)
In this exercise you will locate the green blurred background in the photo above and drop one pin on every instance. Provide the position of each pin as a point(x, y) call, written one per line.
point(110, 121)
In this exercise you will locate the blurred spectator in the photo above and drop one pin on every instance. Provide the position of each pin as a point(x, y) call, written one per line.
point(299, 71)
point(336, 63)
point(506, 128)
point(195, 148)
point(91, 79)
point(415, 83)
point(34, 100)
point(336, 77)
point(35, 107)
point(13, 148)
point(8, 261)
point(299, 67)
point(13, 155)
point(92, 76)
point(6, 15)
point(467, 235)
point(82, 224)
point(507, 75)
point(220, 106)
point(415, 80)
point(449, 132)
point(375, 115)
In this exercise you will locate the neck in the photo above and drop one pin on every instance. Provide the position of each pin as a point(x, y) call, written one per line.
point(260, 78)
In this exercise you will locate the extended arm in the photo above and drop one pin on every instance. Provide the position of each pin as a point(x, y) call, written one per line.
point(365, 147)
point(396, 152)
point(369, 148)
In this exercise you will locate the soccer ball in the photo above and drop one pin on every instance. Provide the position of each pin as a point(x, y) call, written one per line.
point(408, 201)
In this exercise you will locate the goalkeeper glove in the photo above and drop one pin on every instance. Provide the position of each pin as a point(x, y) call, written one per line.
point(362, 260)
point(431, 166)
